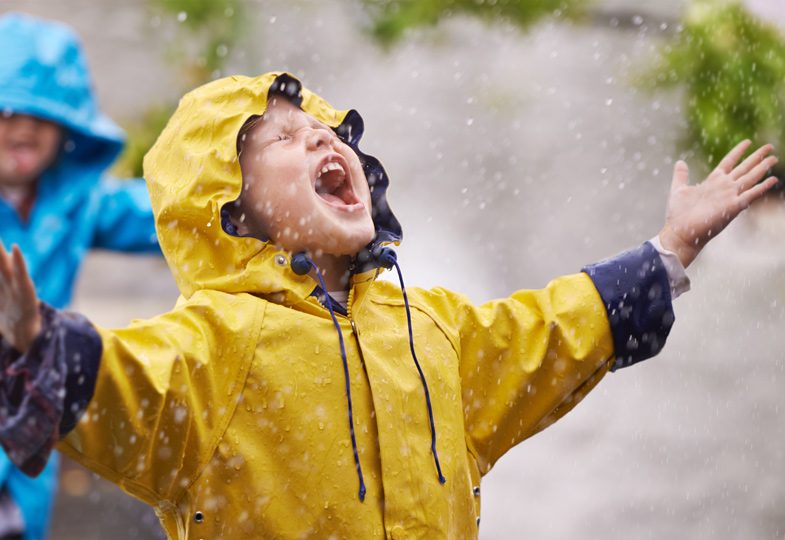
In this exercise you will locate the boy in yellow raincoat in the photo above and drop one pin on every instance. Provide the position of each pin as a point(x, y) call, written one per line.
point(290, 394)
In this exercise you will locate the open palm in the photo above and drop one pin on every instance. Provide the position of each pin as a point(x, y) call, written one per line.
point(695, 214)
point(20, 319)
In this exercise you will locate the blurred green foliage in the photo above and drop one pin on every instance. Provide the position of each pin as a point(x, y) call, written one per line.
point(732, 67)
point(205, 32)
point(141, 135)
point(392, 18)
point(730, 63)
point(213, 26)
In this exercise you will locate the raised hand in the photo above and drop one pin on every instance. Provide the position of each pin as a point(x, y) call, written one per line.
point(696, 214)
point(20, 318)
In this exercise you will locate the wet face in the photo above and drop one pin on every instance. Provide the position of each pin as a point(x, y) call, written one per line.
point(303, 187)
point(28, 146)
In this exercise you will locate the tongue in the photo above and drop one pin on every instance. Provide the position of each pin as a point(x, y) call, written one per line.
point(329, 197)
point(24, 159)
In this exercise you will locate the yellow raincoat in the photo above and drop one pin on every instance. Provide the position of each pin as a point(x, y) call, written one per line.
point(229, 414)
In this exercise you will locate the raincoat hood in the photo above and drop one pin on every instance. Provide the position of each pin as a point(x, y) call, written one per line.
point(44, 73)
point(192, 172)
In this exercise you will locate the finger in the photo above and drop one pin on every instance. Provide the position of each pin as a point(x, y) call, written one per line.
point(751, 195)
point(5, 262)
point(23, 280)
point(757, 172)
point(3, 252)
point(733, 157)
point(681, 175)
point(751, 161)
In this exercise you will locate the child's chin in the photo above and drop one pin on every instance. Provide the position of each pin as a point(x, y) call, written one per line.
point(353, 245)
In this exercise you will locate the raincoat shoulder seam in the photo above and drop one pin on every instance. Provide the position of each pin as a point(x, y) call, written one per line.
point(416, 302)
point(239, 382)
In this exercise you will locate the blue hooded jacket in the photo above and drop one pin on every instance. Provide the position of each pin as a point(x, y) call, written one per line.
point(44, 73)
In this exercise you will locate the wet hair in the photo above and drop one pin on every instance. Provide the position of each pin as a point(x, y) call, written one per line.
point(248, 126)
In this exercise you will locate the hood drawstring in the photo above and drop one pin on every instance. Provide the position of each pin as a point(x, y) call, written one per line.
point(387, 258)
point(301, 265)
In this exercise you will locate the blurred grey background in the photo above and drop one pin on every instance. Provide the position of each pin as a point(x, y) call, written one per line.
point(515, 157)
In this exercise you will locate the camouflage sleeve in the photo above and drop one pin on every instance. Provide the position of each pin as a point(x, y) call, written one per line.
point(44, 391)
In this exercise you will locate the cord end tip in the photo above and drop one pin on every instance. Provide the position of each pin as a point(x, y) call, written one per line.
point(301, 265)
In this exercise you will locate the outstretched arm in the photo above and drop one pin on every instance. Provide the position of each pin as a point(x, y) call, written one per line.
point(20, 318)
point(48, 366)
point(696, 214)
point(125, 220)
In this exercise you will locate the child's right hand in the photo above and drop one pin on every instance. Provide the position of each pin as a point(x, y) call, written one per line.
point(20, 318)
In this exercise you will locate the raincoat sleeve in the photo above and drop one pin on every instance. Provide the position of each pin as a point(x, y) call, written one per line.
point(44, 391)
point(125, 219)
point(525, 361)
point(165, 391)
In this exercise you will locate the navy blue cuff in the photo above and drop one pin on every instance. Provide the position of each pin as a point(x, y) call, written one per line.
point(45, 390)
point(82, 348)
point(635, 290)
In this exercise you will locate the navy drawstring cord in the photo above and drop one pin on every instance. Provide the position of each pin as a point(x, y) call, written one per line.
point(388, 259)
point(301, 262)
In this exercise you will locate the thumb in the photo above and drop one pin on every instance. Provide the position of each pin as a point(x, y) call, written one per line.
point(681, 175)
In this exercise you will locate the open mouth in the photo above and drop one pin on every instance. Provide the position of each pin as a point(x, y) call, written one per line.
point(23, 156)
point(333, 184)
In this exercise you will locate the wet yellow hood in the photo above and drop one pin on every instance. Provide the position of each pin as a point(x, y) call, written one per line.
point(192, 172)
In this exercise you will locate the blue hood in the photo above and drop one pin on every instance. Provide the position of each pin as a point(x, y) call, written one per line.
point(44, 73)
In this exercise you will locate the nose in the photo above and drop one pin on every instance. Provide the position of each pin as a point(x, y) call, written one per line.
point(319, 137)
point(27, 123)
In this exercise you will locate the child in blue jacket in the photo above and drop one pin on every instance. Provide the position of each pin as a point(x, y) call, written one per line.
point(292, 394)
point(55, 146)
